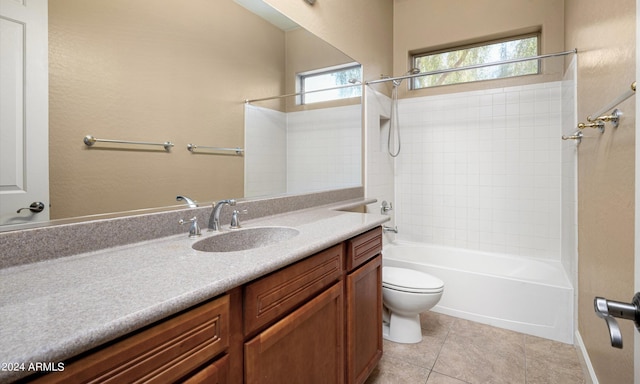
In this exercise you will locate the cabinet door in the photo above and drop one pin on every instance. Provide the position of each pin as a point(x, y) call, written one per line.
point(364, 320)
point(304, 347)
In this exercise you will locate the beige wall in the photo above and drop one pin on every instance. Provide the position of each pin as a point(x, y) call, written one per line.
point(307, 52)
point(605, 38)
point(421, 25)
point(139, 71)
point(362, 29)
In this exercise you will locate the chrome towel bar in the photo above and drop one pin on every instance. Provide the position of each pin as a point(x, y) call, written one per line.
point(90, 141)
point(193, 148)
point(624, 96)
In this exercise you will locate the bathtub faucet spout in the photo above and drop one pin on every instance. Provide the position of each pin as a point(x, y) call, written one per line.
point(387, 228)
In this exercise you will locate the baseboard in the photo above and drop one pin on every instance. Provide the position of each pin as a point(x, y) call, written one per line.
point(585, 361)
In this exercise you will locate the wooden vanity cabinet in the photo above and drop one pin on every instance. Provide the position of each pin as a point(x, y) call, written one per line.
point(336, 335)
point(169, 351)
point(363, 305)
point(306, 346)
point(316, 321)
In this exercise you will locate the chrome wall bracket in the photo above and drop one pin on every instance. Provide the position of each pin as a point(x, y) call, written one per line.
point(577, 136)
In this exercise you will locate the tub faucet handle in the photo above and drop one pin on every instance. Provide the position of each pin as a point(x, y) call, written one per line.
point(385, 207)
point(609, 310)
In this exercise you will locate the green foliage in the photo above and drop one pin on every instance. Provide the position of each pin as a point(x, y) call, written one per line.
point(495, 52)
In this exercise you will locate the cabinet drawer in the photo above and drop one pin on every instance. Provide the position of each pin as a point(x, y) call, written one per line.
point(277, 294)
point(362, 248)
point(162, 353)
point(214, 373)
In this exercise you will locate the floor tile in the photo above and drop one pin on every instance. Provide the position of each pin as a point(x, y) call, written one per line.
point(394, 371)
point(478, 353)
point(438, 378)
point(550, 362)
point(435, 328)
point(457, 351)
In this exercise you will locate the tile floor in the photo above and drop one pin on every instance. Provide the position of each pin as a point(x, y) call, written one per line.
point(457, 351)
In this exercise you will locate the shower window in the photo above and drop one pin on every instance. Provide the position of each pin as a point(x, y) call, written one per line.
point(488, 52)
point(350, 74)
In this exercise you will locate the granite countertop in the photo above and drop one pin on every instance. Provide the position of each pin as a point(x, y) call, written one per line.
point(53, 310)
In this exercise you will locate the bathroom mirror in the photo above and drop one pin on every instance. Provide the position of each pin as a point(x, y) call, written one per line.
point(181, 73)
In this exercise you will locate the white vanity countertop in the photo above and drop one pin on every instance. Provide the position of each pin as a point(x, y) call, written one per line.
point(53, 310)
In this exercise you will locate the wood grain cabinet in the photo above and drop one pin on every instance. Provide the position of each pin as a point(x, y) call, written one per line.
point(363, 299)
point(335, 336)
point(318, 320)
point(163, 353)
point(306, 346)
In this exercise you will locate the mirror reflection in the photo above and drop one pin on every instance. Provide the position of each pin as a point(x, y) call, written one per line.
point(181, 73)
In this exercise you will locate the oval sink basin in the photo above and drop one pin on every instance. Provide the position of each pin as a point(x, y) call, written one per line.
point(243, 239)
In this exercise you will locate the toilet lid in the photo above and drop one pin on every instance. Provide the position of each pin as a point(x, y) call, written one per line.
point(408, 280)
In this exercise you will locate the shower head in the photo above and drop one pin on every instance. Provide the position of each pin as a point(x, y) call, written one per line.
point(412, 71)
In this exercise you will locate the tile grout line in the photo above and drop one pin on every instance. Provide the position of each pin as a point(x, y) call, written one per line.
point(444, 340)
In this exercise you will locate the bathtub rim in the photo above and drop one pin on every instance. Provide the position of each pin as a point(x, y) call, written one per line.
point(566, 283)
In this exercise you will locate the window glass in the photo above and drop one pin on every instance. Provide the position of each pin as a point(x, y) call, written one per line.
point(330, 78)
point(517, 48)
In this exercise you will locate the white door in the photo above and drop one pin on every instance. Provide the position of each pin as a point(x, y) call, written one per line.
point(24, 111)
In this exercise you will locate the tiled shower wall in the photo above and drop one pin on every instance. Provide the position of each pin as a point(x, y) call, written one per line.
point(482, 170)
point(324, 149)
point(302, 151)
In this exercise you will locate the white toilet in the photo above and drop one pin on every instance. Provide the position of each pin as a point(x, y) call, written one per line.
point(405, 294)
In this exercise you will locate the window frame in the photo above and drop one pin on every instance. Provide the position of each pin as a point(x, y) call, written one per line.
point(415, 55)
point(301, 76)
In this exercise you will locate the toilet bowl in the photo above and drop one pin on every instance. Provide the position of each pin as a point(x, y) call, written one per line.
point(405, 294)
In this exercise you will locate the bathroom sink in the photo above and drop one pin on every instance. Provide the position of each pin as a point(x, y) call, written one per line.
point(243, 239)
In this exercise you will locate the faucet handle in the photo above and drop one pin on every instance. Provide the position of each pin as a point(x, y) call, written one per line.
point(194, 230)
point(235, 220)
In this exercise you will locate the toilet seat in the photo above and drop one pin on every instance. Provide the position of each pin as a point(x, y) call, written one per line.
point(408, 280)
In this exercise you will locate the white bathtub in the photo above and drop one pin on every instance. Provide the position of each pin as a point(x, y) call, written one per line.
point(521, 294)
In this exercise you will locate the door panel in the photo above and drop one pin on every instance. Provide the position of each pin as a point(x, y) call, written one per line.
point(24, 110)
point(304, 347)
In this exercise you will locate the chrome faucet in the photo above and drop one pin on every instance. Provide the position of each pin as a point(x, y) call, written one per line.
point(188, 201)
point(194, 229)
point(214, 219)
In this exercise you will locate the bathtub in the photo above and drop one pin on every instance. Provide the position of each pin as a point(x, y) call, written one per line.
point(521, 294)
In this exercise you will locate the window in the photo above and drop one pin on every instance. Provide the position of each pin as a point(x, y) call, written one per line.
point(496, 51)
point(330, 78)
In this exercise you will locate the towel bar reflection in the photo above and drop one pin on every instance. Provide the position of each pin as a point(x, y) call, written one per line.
point(193, 148)
point(90, 141)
